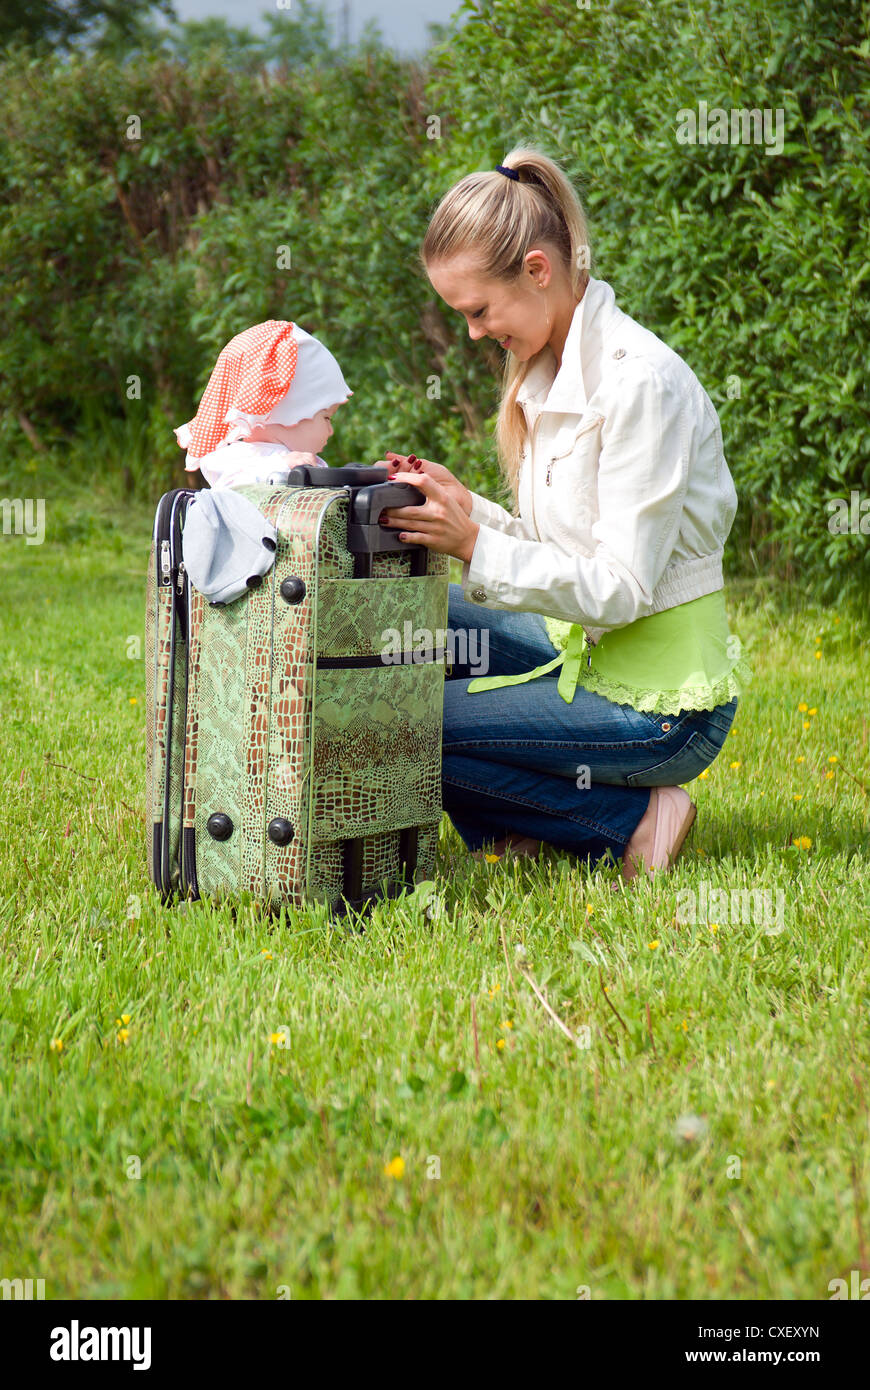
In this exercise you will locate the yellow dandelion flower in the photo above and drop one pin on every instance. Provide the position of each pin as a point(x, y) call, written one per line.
point(500, 1044)
point(395, 1168)
point(817, 655)
point(798, 796)
point(506, 1024)
point(705, 773)
point(801, 759)
point(492, 858)
point(803, 706)
point(56, 1045)
point(133, 700)
point(607, 989)
point(276, 1039)
point(267, 954)
point(829, 776)
point(589, 909)
point(125, 1018)
point(806, 723)
point(123, 1035)
point(813, 711)
point(833, 758)
point(818, 641)
point(653, 944)
point(714, 926)
point(735, 764)
point(685, 1025)
point(803, 842)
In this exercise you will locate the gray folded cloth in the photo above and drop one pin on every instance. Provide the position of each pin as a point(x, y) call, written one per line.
point(227, 544)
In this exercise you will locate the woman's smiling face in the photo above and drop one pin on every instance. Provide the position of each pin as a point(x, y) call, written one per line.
point(515, 315)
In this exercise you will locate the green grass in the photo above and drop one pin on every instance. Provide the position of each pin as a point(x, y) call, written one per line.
point(262, 1166)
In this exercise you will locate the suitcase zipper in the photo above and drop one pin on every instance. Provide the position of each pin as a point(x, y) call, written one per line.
point(408, 658)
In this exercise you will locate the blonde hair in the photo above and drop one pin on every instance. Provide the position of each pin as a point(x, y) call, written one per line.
point(499, 219)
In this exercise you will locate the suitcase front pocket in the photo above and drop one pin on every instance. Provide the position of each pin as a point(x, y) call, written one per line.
point(381, 617)
point(376, 757)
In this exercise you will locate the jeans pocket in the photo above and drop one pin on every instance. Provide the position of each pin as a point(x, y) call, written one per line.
point(682, 765)
point(720, 719)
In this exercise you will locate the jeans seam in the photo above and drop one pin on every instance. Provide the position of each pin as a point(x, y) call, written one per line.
point(604, 831)
point(657, 745)
point(557, 745)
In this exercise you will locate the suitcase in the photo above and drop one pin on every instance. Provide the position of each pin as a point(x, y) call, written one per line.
point(285, 756)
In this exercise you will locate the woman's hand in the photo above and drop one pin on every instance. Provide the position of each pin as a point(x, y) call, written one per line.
point(440, 523)
point(437, 471)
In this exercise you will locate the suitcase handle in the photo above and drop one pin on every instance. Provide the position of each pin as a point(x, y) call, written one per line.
point(354, 475)
point(370, 493)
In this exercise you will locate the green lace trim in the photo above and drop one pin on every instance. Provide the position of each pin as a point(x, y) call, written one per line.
point(656, 701)
point(693, 697)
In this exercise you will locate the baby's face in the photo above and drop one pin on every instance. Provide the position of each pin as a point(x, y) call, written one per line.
point(307, 437)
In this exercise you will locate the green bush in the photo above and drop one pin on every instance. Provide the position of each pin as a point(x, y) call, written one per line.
point(754, 266)
point(125, 264)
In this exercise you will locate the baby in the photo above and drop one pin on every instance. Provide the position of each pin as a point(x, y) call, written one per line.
point(268, 406)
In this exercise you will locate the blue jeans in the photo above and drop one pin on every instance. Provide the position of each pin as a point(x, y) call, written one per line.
point(521, 759)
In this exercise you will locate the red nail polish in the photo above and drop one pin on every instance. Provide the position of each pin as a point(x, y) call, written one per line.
point(412, 458)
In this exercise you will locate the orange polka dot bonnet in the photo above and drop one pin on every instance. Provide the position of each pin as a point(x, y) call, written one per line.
point(272, 374)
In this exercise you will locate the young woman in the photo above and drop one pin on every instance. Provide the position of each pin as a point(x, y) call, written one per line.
point(613, 454)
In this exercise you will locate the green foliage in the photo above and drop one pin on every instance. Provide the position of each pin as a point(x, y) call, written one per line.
point(125, 258)
point(69, 23)
point(753, 265)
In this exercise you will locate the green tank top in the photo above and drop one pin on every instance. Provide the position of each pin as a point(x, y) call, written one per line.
point(682, 658)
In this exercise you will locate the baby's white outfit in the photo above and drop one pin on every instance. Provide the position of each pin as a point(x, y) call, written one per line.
point(242, 462)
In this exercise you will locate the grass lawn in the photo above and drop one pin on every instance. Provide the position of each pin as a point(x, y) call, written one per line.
point(295, 1110)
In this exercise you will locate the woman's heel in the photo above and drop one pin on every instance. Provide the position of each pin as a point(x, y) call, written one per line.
point(661, 833)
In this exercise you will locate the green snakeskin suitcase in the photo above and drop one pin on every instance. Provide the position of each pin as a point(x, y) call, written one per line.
point(294, 735)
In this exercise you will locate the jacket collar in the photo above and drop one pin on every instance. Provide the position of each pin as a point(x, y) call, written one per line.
point(565, 390)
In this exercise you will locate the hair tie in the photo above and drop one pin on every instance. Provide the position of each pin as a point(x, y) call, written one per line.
point(509, 173)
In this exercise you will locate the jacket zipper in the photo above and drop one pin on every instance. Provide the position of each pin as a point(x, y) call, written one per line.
point(589, 643)
point(532, 469)
point(591, 425)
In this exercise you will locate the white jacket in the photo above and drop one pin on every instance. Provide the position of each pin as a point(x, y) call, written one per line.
point(625, 498)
